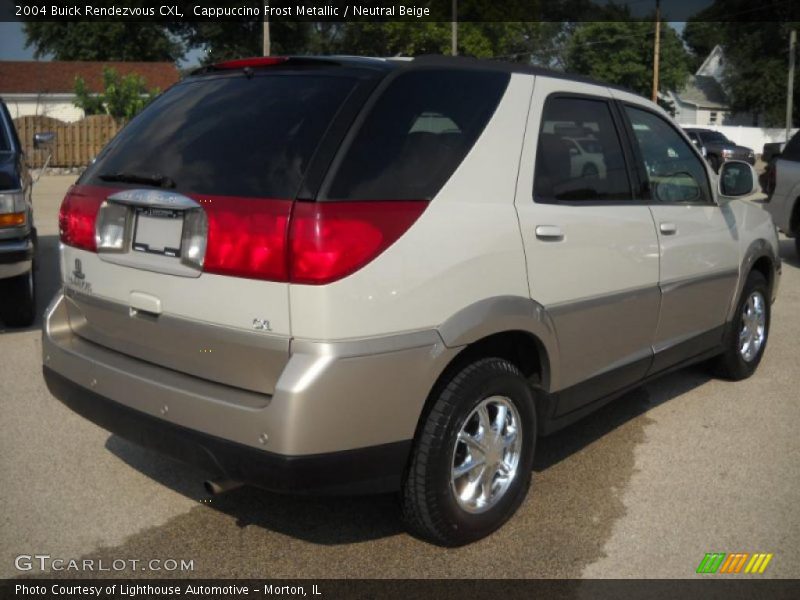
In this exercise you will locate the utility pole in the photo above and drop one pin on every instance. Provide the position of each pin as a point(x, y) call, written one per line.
point(265, 42)
point(454, 30)
point(790, 83)
point(656, 51)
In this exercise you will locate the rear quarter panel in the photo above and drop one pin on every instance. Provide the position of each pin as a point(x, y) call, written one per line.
point(464, 248)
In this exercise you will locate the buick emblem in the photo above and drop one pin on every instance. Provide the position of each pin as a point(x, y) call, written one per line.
point(77, 272)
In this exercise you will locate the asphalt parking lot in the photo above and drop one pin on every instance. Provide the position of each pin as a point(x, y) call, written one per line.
point(644, 488)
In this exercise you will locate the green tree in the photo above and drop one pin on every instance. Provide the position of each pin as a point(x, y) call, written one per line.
point(701, 37)
point(106, 41)
point(622, 53)
point(122, 97)
point(226, 40)
point(756, 53)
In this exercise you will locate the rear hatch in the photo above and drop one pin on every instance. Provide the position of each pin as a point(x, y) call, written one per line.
point(174, 242)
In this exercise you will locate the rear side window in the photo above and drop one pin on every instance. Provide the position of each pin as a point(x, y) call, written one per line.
point(230, 135)
point(579, 156)
point(416, 134)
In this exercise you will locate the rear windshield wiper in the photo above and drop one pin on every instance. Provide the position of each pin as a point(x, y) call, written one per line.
point(155, 179)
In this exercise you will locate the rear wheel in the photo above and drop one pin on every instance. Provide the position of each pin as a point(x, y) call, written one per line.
point(18, 300)
point(746, 338)
point(472, 461)
point(797, 244)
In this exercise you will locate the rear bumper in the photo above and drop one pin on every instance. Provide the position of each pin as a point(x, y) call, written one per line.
point(341, 419)
point(16, 257)
point(363, 470)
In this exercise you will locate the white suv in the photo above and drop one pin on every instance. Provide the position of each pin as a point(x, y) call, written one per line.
point(360, 275)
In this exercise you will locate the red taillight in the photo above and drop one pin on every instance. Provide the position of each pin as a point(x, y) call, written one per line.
point(247, 237)
point(275, 240)
point(330, 240)
point(76, 218)
point(255, 62)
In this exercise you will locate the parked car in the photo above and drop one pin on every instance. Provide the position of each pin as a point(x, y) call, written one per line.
point(17, 232)
point(586, 157)
point(384, 275)
point(719, 148)
point(783, 190)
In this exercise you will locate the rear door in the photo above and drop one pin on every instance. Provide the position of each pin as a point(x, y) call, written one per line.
point(591, 250)
point(190, 268)
point(697, 239)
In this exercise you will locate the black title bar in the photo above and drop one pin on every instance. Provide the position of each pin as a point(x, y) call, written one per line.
point(389, 10)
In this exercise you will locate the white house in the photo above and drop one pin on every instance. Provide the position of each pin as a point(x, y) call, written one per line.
point(702, 101)
point(47, 87)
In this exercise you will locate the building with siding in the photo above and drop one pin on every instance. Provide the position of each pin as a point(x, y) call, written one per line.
point(46, 88)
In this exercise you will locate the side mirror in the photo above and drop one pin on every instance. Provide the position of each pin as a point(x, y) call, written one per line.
point(737, 179)
point(573, 152)
point(43, 139)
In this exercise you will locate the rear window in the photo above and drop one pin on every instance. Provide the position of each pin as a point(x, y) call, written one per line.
point(714, 137)
point(416, 134)
point(230, 135)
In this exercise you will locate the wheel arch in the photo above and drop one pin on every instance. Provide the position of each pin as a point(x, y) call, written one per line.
point(521, 348)
point(759, 257)
point(513, 328)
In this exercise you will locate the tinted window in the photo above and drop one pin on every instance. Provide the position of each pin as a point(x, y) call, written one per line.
point(579, 156)
point(5, 144)
point(416, 134)
point(230, 135)
point(674, 171)
point(714, 137)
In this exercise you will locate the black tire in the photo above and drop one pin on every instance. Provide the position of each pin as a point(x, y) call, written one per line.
point(731, 364)
point(797, 244)
point(590, 171)
point(430, 508)
point(18, 300)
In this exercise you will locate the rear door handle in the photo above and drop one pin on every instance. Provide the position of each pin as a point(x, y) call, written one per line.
point(549, 233)
point(668, 228)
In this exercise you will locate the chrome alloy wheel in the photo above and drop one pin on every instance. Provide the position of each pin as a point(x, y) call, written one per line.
point(754, 326)
point(486, 454)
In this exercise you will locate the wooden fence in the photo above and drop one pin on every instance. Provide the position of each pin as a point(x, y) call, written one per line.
point(76, 144)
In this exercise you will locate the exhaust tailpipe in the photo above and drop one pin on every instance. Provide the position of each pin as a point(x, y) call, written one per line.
point(215, 487)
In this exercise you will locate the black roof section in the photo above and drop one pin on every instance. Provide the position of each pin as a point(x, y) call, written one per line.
point(465, 62)
point(428, 60)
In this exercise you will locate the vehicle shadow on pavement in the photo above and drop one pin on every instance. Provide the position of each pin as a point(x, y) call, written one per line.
point(570, 440)
point(338, 520)
point(327, 520)
point(47, 280)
